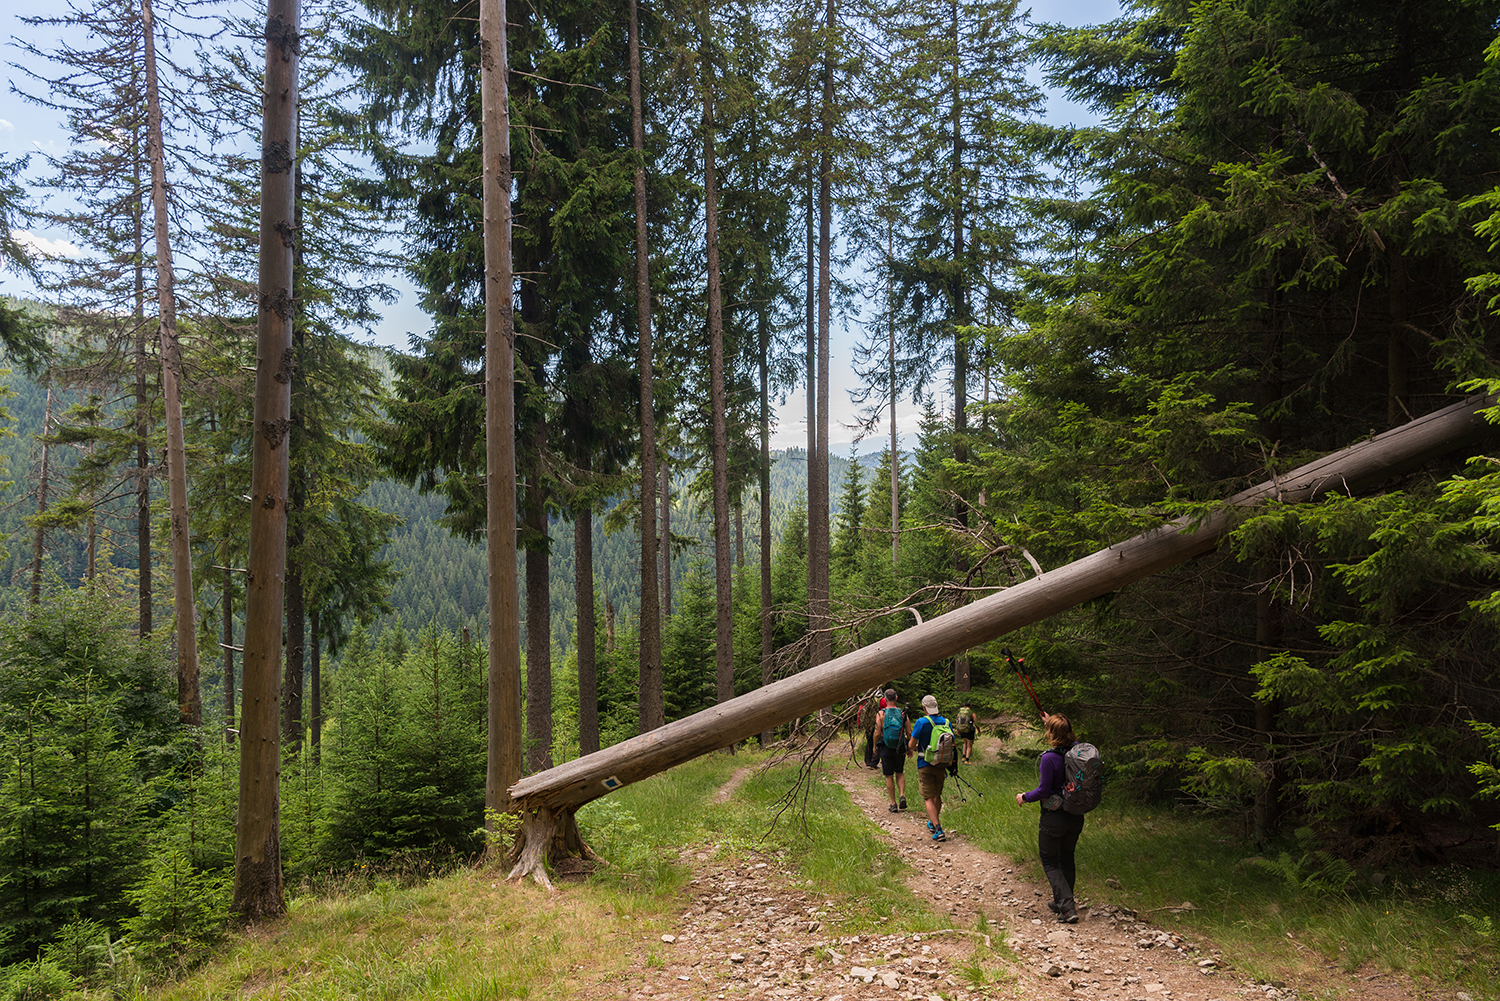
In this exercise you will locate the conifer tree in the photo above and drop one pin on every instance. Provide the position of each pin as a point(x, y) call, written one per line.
point(651, 713)
point(258, 875)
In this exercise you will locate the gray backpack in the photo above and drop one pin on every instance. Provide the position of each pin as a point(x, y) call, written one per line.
point(1083, 775)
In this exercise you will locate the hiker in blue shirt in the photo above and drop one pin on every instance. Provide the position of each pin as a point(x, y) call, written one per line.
point(929, 776)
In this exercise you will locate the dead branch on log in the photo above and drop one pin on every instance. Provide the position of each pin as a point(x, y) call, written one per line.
point(807, 758)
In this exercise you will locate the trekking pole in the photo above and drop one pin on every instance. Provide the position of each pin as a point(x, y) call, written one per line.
point(954, 772)
point(1023, 677)
point(965, 782)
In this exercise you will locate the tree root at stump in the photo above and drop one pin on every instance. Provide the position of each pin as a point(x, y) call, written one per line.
point(547, 837)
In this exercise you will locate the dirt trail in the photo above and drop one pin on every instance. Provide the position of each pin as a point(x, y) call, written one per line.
point(751, 931)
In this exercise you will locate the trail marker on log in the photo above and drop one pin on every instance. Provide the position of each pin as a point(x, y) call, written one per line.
point(554, 794)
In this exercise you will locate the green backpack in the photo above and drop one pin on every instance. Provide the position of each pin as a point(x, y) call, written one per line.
point(965, 721)
point(940, 747)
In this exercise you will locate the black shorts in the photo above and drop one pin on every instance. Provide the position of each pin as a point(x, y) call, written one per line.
point(892, 759)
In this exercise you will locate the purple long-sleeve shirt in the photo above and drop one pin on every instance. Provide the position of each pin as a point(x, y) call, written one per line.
point(1052, 775)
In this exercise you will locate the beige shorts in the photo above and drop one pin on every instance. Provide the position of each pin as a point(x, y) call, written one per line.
point(930, 781)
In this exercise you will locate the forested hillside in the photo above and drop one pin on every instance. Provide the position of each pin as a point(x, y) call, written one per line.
point(1278, 236)
point(440, 576)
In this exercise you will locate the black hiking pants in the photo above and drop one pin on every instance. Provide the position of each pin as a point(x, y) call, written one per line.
point(1057, 839)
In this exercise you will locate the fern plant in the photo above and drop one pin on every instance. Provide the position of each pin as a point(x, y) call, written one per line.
point(1311, 870)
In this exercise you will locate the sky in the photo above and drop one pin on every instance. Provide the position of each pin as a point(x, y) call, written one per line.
point(25, 128)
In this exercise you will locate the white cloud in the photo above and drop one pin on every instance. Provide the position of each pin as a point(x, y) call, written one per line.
point(6, 126)
point(42, 245)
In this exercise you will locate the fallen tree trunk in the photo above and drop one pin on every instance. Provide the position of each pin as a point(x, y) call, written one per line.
point(557, 792)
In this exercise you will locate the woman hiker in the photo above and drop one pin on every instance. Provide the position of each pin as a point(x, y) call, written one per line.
point(1058, 831)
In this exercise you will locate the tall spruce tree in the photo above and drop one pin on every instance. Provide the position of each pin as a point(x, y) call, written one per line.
point(258, 874)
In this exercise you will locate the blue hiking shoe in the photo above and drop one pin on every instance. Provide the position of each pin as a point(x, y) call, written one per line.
point(931, 827)
point(938, 834)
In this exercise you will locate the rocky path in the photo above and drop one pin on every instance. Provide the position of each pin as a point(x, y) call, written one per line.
point(750, 931)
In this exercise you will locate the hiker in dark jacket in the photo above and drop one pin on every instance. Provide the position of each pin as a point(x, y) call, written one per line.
point(868, 711)
point(1058, 830)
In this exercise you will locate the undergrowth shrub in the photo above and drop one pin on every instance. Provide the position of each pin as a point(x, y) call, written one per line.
point(181, 912)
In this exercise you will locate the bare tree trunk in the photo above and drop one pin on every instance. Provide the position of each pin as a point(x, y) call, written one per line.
point(821, 636)
point(812, 397)
point(538, 613)
point(961, 319)
point(1397, 356)
point(39, 539)
point(315, 688)
point(895, 440)
point(226, 627)
point(766, 633)
point(651, 712)
point(569, 786)
point(666, 536)
point(588, 678)
point(296, 630)
point(189, 701)
point(92, 554)
point(504, 749)
point(723, 592)
point(142, 451)
point(1268, 639)
point(257, 873)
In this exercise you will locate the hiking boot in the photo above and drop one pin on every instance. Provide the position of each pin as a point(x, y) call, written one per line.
point(931, 827)
point(1054, 907)
point(891, 808)
point(903, 802)
point(939, 835)
point(1069, 914)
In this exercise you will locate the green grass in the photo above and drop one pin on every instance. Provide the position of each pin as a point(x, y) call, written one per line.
point(472, 935)
point(1277, 918)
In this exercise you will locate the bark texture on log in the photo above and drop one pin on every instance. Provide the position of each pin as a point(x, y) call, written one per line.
point(582, 780)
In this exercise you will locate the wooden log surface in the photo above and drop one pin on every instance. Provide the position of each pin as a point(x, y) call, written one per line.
point(1357, 467)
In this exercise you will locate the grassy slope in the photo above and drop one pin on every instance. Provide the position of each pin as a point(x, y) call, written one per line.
point(473, 935)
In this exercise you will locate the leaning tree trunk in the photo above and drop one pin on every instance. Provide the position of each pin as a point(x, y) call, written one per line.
point(189, 701)
point(257, 870)
point(551, 797)
point(504, 747)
